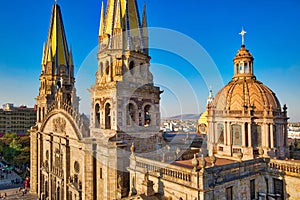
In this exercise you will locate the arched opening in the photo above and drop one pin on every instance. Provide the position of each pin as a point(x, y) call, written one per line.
point(275, 136)
point(39, 115)
point(131, 67)
point(256, 133)
point(236, 131)
point(46, 189)
point(58, 84)
point(147, 116)
point(107, 68)
point(131, 114)
point(107, 116)
point(43, 113)
point(220, 133)
point(246, 135)
point(58, 193)
point(100, 69)
point(246, 68)
point(97, 116)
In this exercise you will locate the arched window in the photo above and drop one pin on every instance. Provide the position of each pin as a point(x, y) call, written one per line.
point(131, 67)
point(43, 113)
point(147, 115)
point(97, 116)
point(246, 67)
point(58, 193)
point(39, 115)
point(131, 114)
point(257, 137)
point(107, 68)
point(236, 131)
point(101, 69)
point(107, 116)
point(46, 189)
point(246, 135)
point(275, 135)
point(220, 133)
point(241, 67)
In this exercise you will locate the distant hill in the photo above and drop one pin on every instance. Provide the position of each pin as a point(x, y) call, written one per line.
point(184, 117)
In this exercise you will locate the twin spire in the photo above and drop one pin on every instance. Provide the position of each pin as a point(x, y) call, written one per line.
point(122, 18)
point(56, 47)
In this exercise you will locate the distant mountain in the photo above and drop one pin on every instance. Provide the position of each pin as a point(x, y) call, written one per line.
point(184, 117)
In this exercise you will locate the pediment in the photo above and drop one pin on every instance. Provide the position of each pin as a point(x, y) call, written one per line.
point(61, 124)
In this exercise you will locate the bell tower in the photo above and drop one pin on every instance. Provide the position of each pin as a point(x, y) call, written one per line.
point(57, 75)
point(124, 99)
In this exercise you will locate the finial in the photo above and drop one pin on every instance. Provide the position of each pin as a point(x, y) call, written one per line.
point(56, 1)
point(243, 33)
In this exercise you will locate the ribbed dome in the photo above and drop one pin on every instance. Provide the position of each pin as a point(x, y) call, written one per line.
point(246, 92)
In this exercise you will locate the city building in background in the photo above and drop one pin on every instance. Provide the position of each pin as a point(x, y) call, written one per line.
point(16, 119)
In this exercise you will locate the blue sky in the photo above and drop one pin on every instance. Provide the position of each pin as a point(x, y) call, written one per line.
point(273, 38)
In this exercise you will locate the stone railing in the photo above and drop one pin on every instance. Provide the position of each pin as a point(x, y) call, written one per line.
point(291, 168)
point(166, 171)
point(57, 171)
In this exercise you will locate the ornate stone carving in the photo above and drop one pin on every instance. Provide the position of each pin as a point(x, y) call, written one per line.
point(59, 125)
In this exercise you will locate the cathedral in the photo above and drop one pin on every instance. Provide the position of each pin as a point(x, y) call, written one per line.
point(240, 150)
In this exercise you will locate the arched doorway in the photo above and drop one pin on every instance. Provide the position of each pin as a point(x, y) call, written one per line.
point(107, 116)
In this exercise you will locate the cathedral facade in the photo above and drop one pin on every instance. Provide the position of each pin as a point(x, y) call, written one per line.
point(119, 153)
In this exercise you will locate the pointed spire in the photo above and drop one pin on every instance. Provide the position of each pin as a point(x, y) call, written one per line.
point(118, 16)
point(122, 14)
point(56, 44)
point(49, 54)
point(71, 57)
point(145, 23)
point(145, 31)
point(44, 56)
point(102, 20)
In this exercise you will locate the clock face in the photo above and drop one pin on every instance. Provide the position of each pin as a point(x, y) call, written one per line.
point(203, 128)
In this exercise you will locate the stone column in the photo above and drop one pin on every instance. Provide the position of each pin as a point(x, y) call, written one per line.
point(243, 135)
point(88, 181)
point(225, 134)
point(40, 161)
point(228, 133)
point(267, 135)
point(33, 163)
point(249, 136)
point(50, 182)
point(271, 136)
point(66, 166)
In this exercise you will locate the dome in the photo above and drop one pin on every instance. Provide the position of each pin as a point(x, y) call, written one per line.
point(245, 92)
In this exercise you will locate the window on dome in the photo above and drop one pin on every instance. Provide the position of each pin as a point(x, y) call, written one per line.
point(236, 131)
point(241, 68)
point(220, 133)
point(246, 67)
point(256, 132)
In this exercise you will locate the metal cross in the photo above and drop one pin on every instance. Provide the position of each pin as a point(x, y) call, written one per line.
point(242, 33)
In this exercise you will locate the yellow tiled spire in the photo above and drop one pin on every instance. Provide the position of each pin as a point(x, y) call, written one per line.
point(122, 14)
point(102, 20)
point(56, 44)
